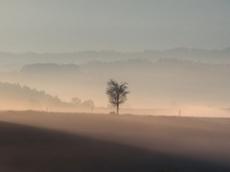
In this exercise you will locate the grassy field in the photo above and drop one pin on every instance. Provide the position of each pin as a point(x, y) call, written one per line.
point(63, 142)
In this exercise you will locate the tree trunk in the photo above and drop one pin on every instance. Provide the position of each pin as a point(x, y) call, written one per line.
point(118, 103)
point(118, 109)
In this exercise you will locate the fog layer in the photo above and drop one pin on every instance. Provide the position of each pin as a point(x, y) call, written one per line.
point(177, 82)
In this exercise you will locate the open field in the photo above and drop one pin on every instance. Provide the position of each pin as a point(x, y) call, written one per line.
point(64, 142)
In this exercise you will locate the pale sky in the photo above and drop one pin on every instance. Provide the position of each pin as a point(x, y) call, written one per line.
point(126, 25)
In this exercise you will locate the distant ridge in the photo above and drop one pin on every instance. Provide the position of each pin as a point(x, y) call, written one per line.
point(17, 97)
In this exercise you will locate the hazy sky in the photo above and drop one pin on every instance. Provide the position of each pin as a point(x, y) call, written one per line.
point(71, 25)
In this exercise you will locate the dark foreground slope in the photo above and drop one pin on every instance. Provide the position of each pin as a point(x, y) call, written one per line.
point(31, 149)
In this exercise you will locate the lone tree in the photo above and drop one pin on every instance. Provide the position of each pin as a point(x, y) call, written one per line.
point(117, 93)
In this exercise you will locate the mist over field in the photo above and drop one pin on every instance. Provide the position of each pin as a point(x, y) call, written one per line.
point(174, 55)
point(192, 81)
point(114, 86)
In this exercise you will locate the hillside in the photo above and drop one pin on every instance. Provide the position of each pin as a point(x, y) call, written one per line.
point(61, 142)
point(17, 97)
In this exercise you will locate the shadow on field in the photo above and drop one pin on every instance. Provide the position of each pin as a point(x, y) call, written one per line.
point(29, 149)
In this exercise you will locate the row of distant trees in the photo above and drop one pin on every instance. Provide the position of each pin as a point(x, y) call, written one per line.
point(87, 103)
point(23, 96)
